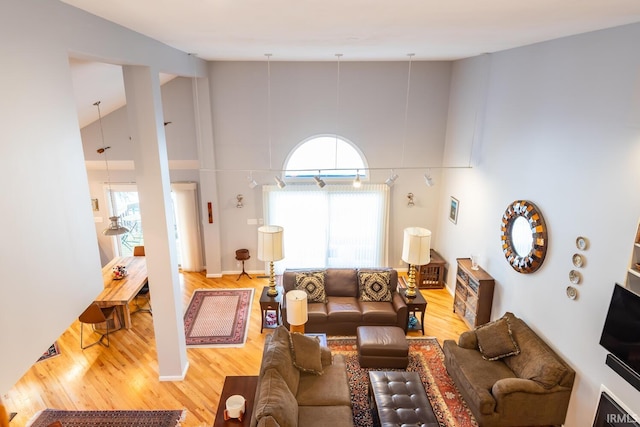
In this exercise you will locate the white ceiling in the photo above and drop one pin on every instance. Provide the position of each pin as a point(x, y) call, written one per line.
point(360, 30)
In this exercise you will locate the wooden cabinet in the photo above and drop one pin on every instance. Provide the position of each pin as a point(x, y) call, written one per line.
point(474, 294)
point(431, 276)
point(633, 274)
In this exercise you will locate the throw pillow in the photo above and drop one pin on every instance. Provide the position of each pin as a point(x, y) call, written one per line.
point(306, 353)
point(375, 286)
point(312, 282)
point(544, 368)
point(495, 340)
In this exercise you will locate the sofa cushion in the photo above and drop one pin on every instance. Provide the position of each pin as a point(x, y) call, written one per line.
point(495, 340)
point(276, 400)
point(323, 416)
point(378, 313)
point(343, 309)
point(268, 421)
point(374, 285)
point(535, 361)
point(342, 282)
point(277, 355)
point(306, 354)
point(317, 312)
point(329, 389)
point(312, 282)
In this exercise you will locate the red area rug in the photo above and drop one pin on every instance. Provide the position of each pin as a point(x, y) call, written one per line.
point(52, 351)
point(108, 418)
point(426, 358)
point(218, 317)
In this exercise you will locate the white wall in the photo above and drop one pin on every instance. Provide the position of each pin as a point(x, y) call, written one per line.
point(560, 127)
point(371, 112)
point(50, 254)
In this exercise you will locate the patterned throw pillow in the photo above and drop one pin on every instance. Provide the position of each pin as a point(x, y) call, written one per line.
point(495, 340)
point(374, 286)
point(312, 282)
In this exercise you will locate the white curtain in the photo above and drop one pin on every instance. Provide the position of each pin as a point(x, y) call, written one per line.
point(336, 226)
point(187, 224)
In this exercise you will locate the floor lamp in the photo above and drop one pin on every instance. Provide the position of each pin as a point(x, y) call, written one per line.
point(416, 250)
point(270, 249)
point(297, 314)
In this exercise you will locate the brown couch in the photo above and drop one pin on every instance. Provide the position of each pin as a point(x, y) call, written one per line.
point(525, 384)
point(301, 384)
point(344, 306)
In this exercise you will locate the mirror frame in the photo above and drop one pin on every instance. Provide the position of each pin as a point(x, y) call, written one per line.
point(533, 260)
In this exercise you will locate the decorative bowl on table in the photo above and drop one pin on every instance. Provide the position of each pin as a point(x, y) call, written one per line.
point(119, 272)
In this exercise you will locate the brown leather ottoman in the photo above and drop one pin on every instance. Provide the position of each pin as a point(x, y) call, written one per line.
point(382, 347)
point(398, 398)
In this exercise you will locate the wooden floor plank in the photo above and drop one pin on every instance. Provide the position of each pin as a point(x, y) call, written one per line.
point(125, 376)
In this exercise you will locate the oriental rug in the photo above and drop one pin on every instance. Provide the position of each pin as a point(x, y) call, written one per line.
point(426, 358)
point(52, 351)
point(218, 317)
point(108, 418)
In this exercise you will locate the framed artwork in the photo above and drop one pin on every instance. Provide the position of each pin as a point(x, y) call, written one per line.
point(453, 212)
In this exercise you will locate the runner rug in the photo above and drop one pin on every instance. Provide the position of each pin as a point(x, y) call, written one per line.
point(108, 418)
point(426, 358)
point(218, 317)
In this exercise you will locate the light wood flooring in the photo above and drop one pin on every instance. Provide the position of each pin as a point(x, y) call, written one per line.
point(125, 376)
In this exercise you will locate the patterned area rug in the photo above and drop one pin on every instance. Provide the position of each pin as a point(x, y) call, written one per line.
point(52, 351)
point(218, 317)
point(426, 358)
point(108, 418)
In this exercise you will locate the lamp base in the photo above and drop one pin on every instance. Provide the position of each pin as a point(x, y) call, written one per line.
point(297, 328)
point(272, 292)
point(410, 292)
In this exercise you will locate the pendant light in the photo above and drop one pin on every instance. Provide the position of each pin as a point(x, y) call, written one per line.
point(114, 228)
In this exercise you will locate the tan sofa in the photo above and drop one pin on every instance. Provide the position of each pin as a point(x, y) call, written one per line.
point(527, 383)
point(349, 299)
point(301, 384)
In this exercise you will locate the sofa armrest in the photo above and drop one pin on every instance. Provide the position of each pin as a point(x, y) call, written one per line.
point(468, 339)
point(507, 386)
point(402, 312)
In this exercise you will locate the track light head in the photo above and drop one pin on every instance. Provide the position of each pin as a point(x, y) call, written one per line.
point(428, 180)
point(356, 182)
point(391, 180)
point(319, 181)
point(279, 182)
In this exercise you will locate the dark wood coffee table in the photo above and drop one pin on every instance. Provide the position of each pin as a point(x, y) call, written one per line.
point(244, 386)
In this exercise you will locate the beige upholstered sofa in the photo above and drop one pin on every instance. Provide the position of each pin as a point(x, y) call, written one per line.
point(301, 384)
point(341, 299)
point(526, 383)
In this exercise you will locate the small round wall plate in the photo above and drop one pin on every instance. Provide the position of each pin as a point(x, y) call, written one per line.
point(572, 292)
point(575, 277)
point(581, 243)
point(578, 261)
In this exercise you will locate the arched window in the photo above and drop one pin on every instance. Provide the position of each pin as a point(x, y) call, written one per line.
point(328, 156)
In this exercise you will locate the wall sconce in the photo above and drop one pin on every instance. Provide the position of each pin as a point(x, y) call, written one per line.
point(239, 203)
point(410, 201)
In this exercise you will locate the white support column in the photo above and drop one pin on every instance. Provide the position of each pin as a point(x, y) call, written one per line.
point(208, 177)
point(144, 108)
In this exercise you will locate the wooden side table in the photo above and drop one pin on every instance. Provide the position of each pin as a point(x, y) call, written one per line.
point(414, 305)
point(244, 386)
point(269, 303)
point(431, 276)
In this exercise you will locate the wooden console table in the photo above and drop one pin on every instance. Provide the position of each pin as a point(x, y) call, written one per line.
point(244, 386)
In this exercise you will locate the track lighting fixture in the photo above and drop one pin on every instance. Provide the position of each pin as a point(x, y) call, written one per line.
point(391, 180)
point(356, 182)
point(279, 182)
point(252, 182)
point(319, 181)
point(428, 180)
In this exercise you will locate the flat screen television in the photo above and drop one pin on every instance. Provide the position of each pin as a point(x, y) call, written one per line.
point(621, 332)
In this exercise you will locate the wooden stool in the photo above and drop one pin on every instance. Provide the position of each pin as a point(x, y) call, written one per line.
point(243, 255)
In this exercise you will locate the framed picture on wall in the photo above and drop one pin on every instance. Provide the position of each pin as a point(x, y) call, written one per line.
point(453, 212)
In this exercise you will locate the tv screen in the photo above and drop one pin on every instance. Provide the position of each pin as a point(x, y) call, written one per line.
point(621, 332)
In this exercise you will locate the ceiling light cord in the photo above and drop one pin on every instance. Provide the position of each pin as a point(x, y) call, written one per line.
point(406, 109)
point(103, 150)
point(335, 156)
point(268, 55)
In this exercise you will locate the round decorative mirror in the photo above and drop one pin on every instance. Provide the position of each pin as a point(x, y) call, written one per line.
point(524, 236)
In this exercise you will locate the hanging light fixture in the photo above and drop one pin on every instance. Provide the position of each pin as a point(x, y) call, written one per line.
point(114, 228)
point(356, 182)
point(319, 181)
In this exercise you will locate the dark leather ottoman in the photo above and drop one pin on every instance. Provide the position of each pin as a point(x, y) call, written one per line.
point(398, 399)
point(382, 347)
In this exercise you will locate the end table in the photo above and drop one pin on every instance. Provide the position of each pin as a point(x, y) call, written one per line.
point(414, 305)
point(242, 385)
point(268, 303)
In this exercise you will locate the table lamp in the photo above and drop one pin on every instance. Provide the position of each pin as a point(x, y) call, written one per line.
point(297, 314)
point(416, 250)
point(270, 249)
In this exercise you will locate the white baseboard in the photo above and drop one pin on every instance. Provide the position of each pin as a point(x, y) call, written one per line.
point(175, 377)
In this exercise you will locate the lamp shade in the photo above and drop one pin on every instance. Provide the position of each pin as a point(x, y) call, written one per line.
point(297, 307)
point(416, 249)
point(270, 246)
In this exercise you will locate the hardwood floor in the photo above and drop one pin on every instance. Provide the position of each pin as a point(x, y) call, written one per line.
point(125, 376)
